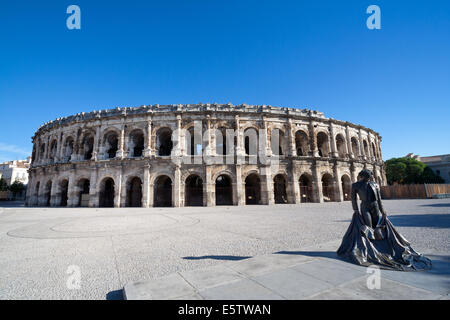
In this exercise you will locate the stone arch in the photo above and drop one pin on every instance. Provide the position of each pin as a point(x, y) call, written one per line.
point(136, 143)
point(134, 192)
point(366, 148)
point(328, 187)
point(107, 192)
point(162, 191)
point(193, 193)
point(280, 188)
point(346, 184)
point(82, 192)
point(341, 146)
point(42, 152)
point(164, 143)
point(47, 193)
point(374, 151)
point(193, 141)
point(302, 143)
point(86, 148)
point(305, 184)
point(252, 189)
point(277, 142)
point(68, 148)
point(251, 141)
point(355, 146)
point(323, 144)
point(52, 150)
point(111, 143)
point(63, 192)
point(224, 190)
point(222, 147)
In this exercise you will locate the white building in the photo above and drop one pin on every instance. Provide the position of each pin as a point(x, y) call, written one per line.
point(16, 170)
point(440, 165)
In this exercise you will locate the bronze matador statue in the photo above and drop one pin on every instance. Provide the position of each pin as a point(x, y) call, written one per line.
point(371, 239)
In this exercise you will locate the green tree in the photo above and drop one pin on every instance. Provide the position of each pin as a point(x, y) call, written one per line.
point(3, 185)
point(409, 171)
point(16, 187)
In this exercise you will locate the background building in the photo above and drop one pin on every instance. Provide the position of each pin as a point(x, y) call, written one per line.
point(16, 170)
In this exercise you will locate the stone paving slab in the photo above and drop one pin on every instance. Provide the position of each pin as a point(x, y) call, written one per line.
point(292, 276)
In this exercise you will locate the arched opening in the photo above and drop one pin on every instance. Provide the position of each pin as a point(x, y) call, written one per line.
point(33, 154)
point(162, 194)
point(277, 142)
point(136, 143)
point(111, 142)
point(134, 193)
point(107, 193)
point(374, 151)
point(305, 182)
point(63, 190)
point(346, 187)
point(366, 148)
point(221, 142)
point(36, 193)
point(193, 191)
point(48, 193)
point(279, 189)
point(83, 187)
point(194, 145)
point(340, 146)
point(164, 142)
point(68, 149)
point(224, 191)
point(252, 189)
point(301, 143)
point(251, 141)
point(42, 152)
point(87, 146)
point(52, 152)
point(355, 147)
point(327, 187)
point(323, 145)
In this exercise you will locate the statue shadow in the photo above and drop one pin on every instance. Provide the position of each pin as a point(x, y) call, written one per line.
point(115, 295)
point(224, 257)
point(315, 254)
point(436, 205)
point(439, 221)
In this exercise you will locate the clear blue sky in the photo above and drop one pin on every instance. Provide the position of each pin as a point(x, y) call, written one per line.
point(314, 54)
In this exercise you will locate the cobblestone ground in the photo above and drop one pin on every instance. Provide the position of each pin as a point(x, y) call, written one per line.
point(42, 249)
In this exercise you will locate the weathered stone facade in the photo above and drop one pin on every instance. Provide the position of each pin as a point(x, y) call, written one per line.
point(145, 157)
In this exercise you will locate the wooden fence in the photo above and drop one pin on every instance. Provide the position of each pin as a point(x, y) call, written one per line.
point(413, 191)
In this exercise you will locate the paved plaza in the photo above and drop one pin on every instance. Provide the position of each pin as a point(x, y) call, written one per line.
point(248, 252)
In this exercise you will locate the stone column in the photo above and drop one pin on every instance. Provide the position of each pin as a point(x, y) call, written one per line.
point(240, 191)
point(209, 184)
point(338, 194)
point(146, 186)
point(177, 187)
point(148, 140)
point(291, 137)
point(267, 184)
point(72, 189)
point(54, 192)
point(120, 152)
point(295, 185)
point(334, 152)
point(361, 145)
point(94, 189)
point(96, 147)
point(317, 185)
point(118, 188)
point(313, 140)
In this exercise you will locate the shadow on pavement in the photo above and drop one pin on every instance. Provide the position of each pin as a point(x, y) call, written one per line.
point(437, 205)
point(115, 295)
point(323, 254)
point(421, 220)
point(232, 258)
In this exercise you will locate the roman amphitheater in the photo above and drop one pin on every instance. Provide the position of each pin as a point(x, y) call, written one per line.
point(198, 155)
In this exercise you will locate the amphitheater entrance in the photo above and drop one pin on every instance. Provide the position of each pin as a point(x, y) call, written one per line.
point(48, 193)
point(64, 189)
point(279, 189)
point(107, 193)
point(162, 194)
point(83, 193)
point(327, 188)
point(134, 193)
point(305, 188)
point(346, 187)
point(224, 191)
point(193, 191)
point(252, 189)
